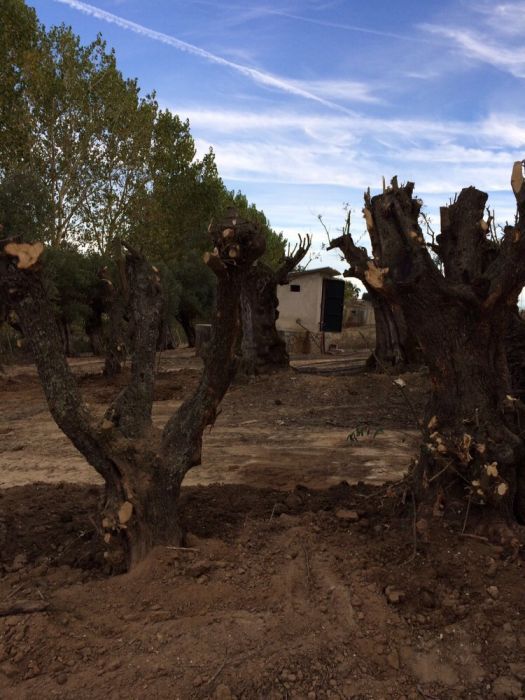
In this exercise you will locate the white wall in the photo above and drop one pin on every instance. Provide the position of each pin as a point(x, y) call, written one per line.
point(304, 305)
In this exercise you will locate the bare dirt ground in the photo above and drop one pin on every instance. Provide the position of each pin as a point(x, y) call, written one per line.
point(302, 577)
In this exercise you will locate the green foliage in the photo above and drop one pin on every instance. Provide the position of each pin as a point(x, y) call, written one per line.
point(24, 205)
point(85, 160)
point(70, 277)
point(78, 125)
point(351, 291)
point(19, 34)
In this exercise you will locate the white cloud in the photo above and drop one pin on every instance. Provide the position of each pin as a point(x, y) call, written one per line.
point(347, 90)
point(352, 153)
point(496, 40)
point(479, 47)
point(506, 18)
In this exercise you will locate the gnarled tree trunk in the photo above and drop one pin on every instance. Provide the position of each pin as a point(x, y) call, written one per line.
point(395, 347)
point(515, 348)
point(117, 303)
point(473, 444)
point(142, 467)
point(116, 342)
point(263, 350)
point(188, 326)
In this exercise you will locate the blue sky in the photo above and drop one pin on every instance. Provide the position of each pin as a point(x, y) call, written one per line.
point(309, 102)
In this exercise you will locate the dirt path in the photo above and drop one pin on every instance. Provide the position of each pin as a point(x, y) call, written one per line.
point(295, 584)
point(324, 601)
point(276, 432)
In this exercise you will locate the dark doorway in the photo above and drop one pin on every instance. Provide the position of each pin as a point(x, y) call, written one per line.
point(332, 306)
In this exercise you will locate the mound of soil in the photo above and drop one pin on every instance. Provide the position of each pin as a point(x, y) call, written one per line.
point(306, 594)
point(292, 583)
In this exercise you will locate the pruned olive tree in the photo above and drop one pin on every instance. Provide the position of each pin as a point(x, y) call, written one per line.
point(474, 440)
point(142, 466)
point(263, 350)
point(395, 347)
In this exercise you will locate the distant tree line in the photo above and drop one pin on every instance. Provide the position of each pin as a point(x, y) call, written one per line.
point(88, 162)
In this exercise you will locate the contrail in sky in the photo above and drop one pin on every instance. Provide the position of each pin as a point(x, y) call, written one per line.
point(347, 27)
point(257, 76)
point(323, 23)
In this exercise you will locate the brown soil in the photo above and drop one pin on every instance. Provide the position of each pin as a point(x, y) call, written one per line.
point(302, 578)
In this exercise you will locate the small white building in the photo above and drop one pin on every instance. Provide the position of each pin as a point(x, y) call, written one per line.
point(312, 300)
point(358, 312)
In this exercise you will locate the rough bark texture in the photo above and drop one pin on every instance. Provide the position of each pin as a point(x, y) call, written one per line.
point(94, 323)
point(165, 340)
point(263, 350)
point(473, 444)
point(188, 326)
point(142, 467)
point(395, 348)
point(515, 347)
point(116, 307)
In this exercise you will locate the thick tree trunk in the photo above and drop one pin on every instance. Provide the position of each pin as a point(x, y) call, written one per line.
point(395, 347)
point(262, 348)
point(188, 326)
point(116, 350)
point(66, 337)
point(473, 444)
point(515, 348)
point(117, 303)
point(96, 341)
point(165, 341)
point(472, 429)
point(94, 325)
point(142, 468)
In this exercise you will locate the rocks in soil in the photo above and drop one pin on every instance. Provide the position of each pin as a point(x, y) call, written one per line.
point(394, 595)
point(350, 516)
point(293, 501)
point(61, 679)
point(198, 568)
point(393, 660)
point(493, 592)
point(8, 669)
point(506, 687)
point(518, 670)
point(19, 562)
point(492, 567)
point(279, 509)
point(222, 692)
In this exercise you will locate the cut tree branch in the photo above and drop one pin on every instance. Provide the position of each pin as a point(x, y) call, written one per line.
point(131, 410)
point(293, 258)
point(182, 436)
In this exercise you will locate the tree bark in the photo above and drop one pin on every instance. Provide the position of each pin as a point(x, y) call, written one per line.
point(66, 337)
point(395, 347)
point(116, 304)
point(94, 323)
point(262, 348)
point(472, 445)
point(142, 467)
point(515, 348)
point(188, 326)
point(165, 340)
